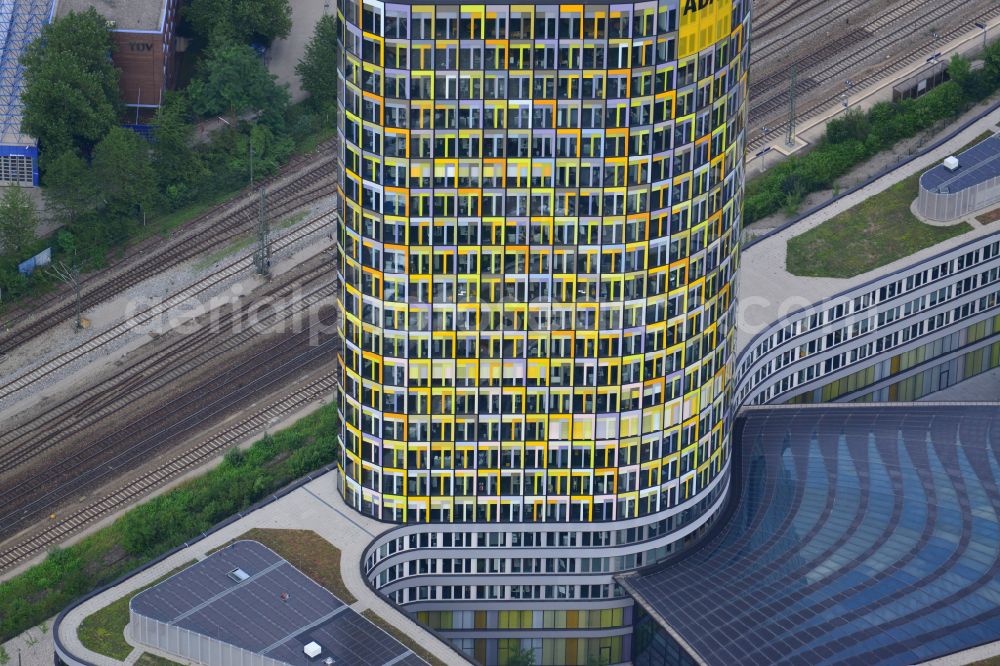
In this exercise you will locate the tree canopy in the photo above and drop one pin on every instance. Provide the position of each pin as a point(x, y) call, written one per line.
point(69, 187)
point(519, 656)
point(317, 70)
point(18, 221)
point(122, 167)
point(240, 21)
point(70, 95)
point(179, 167)
point(234, 81)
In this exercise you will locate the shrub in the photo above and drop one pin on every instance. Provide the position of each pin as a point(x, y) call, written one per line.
point(857, 136)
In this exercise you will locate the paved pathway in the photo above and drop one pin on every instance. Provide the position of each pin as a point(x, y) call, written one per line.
point(315, 506)
point(286, 53)
point(767, 291)
point(31, 648)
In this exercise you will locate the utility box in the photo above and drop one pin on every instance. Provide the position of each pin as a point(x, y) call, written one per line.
point(951, 163)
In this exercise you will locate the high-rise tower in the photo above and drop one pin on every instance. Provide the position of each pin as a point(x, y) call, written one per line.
point(541, 210)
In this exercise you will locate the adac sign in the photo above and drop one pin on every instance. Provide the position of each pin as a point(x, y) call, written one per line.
point(692, 6)
point(703, 23)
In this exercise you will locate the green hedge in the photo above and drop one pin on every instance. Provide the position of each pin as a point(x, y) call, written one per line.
point(858, 136)
point(166, 521)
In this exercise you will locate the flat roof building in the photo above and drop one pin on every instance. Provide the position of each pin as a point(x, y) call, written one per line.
point(962, 184)
point(21, 22)
point(144, 32)
point(244, 604)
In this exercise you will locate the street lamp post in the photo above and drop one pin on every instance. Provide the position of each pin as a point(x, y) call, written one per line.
point(985, 29)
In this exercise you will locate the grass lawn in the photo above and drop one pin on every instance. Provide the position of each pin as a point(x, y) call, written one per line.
point(104, 631)
point(375, 618)
point(307, 551)
point(874, 233)
point(146, 659)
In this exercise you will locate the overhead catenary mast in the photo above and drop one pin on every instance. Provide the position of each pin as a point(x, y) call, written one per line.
point(262, 256)
point(790, 139)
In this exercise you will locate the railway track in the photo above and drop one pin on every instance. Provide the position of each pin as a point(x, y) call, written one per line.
point(788, 11)
point(763, 50)
point(882, 21)
point(182, 355)
point(317, 180)
point(149, 315)
point(129, 493)
point(769, 107)
point(34, 495)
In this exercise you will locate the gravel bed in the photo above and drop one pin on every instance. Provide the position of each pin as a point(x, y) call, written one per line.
point(140, 297)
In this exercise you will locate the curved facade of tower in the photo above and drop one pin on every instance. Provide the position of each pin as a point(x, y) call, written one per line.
point(541, 209)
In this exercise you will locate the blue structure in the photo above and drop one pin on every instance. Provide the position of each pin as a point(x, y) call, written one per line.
point(21, 22)
point(968, 184)
point(976, 165)
point(244, 605)
point(860, 535)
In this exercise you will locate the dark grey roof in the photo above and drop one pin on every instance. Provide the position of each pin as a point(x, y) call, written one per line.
point(275, 612)
point(861, 535)
point(977, 164)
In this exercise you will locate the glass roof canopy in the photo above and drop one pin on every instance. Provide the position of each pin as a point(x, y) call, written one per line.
point(861, 534)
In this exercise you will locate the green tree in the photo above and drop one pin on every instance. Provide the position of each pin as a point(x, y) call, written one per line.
point(991, 64)
point(66, 242)
point(944, 102)
point(521, 657)
point(70, 84)
point(18, 221)
point(234, 81)
point(960, 71)
point(124, 173)
point(179, 168)
point(317, 69)
point(69, 186)
point(852, 125)
point(241, 21)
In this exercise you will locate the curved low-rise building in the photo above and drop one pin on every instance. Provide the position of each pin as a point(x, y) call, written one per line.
point(962, 184)
point(857, 534)
point(541, 210)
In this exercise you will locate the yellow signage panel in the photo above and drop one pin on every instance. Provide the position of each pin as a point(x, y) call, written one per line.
point(702, 24)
